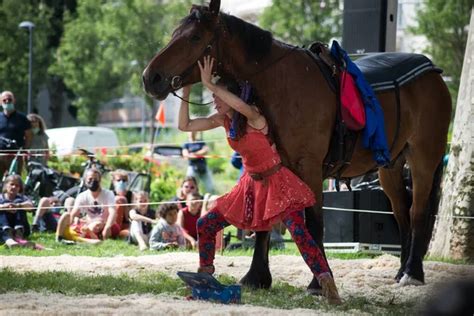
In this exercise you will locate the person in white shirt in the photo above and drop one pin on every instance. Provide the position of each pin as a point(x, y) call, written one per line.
point(98, 205)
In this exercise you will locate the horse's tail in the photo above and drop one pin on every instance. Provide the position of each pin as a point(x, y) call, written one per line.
point(435, 194)
point(434, 199)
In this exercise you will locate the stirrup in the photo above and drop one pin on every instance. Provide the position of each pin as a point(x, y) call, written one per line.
point(207, 269)
point(329, 289)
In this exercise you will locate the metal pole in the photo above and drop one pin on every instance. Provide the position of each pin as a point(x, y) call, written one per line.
point(30, 70)
point(29, 25)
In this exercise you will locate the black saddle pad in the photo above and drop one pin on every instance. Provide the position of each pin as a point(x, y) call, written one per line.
point(384, 70)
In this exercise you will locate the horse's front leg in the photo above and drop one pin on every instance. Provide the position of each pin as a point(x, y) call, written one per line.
point(259, 275)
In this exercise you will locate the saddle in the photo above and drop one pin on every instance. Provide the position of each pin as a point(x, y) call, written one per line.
point(383, 71)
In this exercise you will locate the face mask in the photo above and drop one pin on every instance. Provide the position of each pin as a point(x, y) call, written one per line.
point(120, 186)
point(8, 106)
point(93, 185)
point(35, 130)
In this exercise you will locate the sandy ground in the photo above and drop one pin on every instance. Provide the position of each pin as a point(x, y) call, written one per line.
point(370, 278)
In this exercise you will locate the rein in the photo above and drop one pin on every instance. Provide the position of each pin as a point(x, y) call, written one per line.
point(194, 103)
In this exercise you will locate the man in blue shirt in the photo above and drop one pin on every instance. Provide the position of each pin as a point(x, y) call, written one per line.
point(15, 126)
point(195, 151)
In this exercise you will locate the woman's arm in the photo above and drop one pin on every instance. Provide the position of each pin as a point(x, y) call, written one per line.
point(134, 216)
point(186, 124)
point(255, 119)
point(26, 204)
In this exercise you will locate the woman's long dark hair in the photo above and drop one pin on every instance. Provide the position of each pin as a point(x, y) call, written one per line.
point(245, 92)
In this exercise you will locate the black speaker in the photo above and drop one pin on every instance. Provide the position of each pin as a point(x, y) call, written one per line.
point(369, 26)
point(339, 225)
point(345, 226)
point(375, 228)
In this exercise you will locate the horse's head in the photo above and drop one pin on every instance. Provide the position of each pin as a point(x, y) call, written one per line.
point(176, 64)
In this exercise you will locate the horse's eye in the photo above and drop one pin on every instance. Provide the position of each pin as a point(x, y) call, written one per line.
point(195, 38)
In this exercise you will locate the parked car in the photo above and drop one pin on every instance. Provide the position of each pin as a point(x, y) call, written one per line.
point(68, 140)
point(172, 154)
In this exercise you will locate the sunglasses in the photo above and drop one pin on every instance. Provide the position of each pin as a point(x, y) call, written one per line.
point(7, 100)
point(189, 187)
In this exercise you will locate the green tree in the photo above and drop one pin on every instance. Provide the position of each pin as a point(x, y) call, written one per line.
point(107, 45)
point(14, 49)
point(303, 21)
point(444, 23)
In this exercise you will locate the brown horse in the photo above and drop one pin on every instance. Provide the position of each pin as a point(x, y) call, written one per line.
point(301, 109)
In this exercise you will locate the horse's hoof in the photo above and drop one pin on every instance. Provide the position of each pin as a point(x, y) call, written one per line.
point(314, 288)
point(254, 282)
point(408, 280)
point(399, 276)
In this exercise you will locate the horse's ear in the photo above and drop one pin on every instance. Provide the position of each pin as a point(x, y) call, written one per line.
point(215, 6)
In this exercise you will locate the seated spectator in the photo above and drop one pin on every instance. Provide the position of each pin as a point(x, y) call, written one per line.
point(142, 218)
point(122, 198)
point(13, 222)
point(187, 218)
point(167, 234)
point(98, 204)
point(47, 215)
point(39, 142)
point(189, 185)
point(81, 231)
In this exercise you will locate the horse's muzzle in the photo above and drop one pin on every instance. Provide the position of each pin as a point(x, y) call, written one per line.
point(155, 84)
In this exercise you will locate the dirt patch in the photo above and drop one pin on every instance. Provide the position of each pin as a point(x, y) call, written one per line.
point(371, 278)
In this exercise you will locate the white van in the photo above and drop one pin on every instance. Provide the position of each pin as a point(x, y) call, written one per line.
point(67, 140)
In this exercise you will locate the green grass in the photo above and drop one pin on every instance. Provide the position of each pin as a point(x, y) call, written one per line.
point(281, 295)
point(112, 248)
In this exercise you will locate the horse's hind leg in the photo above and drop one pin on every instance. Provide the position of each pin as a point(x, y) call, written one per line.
point(259, 275)
point(394, 187)
point(423, 162)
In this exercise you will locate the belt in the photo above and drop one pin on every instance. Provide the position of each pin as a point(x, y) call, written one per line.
point(262, 176)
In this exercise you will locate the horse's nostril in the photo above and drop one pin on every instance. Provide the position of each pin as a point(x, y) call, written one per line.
point(156, 78)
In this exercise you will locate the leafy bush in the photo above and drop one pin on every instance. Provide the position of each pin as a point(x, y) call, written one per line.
point(165, 183)
point(68, 164)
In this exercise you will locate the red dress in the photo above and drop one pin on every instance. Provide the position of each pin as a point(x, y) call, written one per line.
point(257, 205)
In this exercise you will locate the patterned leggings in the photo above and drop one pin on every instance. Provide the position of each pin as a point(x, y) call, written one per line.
point(212, 222)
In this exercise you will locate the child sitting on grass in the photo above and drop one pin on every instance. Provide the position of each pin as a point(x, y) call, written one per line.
point(188, 216)
point(13, 222)
point(142, 218)
point(82, 231)
point(167, 234)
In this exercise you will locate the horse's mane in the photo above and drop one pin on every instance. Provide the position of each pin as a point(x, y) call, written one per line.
point(257, 42)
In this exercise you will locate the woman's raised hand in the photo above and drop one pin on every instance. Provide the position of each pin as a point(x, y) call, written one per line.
point(206, 70)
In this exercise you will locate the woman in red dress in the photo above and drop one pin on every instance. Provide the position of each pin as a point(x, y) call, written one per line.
point(267, 192)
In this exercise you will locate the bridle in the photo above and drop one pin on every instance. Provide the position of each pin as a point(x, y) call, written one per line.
point(177, 81)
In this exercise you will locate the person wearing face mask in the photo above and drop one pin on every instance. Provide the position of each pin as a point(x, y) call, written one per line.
point(39, 142)
point(97, 204)
point(14, 126)
point(123, 199)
